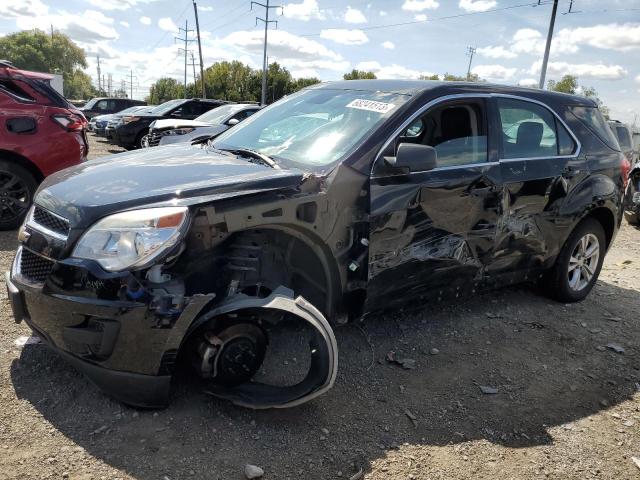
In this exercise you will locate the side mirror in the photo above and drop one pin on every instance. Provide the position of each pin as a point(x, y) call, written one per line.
point(416, 157)
point(233, 121)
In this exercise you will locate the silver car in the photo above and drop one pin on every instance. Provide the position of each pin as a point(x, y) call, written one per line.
point(202, 128)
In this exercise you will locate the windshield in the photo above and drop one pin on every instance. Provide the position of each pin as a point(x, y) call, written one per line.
point(217, 115)
point(314, 128)
point(89, 105)
point(167, 106)
point(130, 110)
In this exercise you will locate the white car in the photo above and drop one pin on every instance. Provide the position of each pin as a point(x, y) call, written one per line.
point(202, 128)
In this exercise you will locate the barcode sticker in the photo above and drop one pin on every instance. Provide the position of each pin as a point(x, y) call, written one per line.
point(371, 105)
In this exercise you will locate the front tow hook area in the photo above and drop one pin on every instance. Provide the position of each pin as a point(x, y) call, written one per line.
point(233, 342)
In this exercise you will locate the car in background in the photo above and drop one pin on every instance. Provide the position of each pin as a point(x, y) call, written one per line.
point(116, 119)
point(98, 124)
point(40, 133)
point(129, 134)
point(201, 129)
point(624, 134)
point(105, 105)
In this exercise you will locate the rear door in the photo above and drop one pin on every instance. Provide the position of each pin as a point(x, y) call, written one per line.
point(541, 164)
point(433, 233)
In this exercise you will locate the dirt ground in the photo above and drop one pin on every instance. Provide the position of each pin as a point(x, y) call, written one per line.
point(566, 406)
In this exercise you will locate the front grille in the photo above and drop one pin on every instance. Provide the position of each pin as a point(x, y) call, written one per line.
point(153, 139)
point(34, 267)
point(50, 221)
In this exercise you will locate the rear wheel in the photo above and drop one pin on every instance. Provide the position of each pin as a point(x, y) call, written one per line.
point(140, 137)
point(17, 187)
point(579, 263)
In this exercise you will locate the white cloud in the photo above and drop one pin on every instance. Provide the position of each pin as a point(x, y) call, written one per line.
point(421, 17)
point(388, 45)
point(145, 20)
point(167, 24)
point(383, 13)
point(419, 5)
point(23, 8)
point(494, 72)
point(638, 79)
point(623, 38)
point(586, 70)
point(204, 8)
point(305, 11)
point(353, 15)
point(391, 71)
point(345, 36)
point(125, 24)
point(89, 26)
point(477, 5)
point(118, 4)
point(528, 82)
point(496, 52)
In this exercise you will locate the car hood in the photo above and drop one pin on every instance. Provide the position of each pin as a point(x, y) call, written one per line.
point(173, 174)
point(177, 123)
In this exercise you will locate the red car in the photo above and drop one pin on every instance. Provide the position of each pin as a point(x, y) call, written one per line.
point(40, 133)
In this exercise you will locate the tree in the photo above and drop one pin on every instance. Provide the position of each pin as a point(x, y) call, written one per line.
point(359, 75)
point(43, 52)
point(77, 85)
point(164, 89)
point(569, 84)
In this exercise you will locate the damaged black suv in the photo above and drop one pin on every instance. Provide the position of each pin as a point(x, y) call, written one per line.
point(336, 201)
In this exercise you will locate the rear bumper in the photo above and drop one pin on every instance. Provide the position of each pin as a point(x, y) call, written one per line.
point(65, 324)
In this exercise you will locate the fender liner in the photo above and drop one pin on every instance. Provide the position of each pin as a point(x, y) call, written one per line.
point(324, 354)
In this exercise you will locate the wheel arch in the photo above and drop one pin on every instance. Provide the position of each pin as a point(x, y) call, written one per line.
point(24, 162)
point(607, 219)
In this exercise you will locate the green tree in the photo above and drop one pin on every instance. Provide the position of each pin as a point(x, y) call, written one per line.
point(77, 85)
point(164, 89)
point(359, 75)
point(570, 84)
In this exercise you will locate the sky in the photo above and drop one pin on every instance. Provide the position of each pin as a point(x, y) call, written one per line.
point(599, 41)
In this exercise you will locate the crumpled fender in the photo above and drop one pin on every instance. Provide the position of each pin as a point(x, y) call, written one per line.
point(324, 354)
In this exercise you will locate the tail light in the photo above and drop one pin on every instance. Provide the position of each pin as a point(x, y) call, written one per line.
point(71, 123)
point(625, 166)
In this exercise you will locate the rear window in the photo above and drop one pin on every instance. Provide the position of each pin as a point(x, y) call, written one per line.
point(12, 88)
point(594, 121)
point(623, 137)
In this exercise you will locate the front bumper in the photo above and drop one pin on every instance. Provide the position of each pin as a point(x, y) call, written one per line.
point(113, 343)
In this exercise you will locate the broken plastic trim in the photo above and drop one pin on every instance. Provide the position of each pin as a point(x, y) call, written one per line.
point(324, 354)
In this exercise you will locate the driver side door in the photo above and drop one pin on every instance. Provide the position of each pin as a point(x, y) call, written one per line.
point(432, 233)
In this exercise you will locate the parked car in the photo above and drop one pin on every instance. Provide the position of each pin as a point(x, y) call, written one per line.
point(202, 128)
point(624, 135)
point(115, 120)
point(40, 133)
point(103, 106)
point(398, 192)
point(129, 134)
point(98, 124)
point(632, 197)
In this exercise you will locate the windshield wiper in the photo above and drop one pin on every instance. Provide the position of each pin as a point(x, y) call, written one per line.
point(253, 155)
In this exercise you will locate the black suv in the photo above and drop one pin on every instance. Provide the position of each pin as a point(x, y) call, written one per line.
point(335, 201)
point(104, 106)
point(133, 128)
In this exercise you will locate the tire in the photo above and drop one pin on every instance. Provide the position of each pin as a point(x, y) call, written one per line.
point(138, 144)
point(566, 287)
point(17, 187)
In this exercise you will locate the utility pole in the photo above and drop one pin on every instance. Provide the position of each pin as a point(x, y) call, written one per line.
point(51, 31)
point(193, 64)
point(110, 78)
point(131, 84)
point(204, 94)
point(547, 49)
point(104, 84)
point(266, 22)
point(99, 78)
point(470, 53)
point(186, 41)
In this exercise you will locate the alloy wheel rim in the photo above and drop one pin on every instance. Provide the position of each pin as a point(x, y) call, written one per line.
point(14, 197)
point(583, 262)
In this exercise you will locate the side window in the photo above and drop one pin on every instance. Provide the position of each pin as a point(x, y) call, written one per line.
point(623, 137)
point(199, 108)
point(457, 131)
point(528, 130)
point(101, 105)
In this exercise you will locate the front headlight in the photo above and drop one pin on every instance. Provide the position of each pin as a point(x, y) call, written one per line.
point(132, 239)
point(179, 131)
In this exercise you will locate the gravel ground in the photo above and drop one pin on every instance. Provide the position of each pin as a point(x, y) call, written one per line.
point(566, 406)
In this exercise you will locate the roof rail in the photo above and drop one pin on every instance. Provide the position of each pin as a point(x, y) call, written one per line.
point(6, 63)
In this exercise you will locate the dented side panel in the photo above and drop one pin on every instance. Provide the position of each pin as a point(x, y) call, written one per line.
point(432, 231)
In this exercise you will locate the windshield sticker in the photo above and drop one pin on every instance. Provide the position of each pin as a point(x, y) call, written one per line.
point(371, 105)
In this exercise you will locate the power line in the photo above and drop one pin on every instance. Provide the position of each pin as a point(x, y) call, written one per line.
point(446, 17)
point(266, 21)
